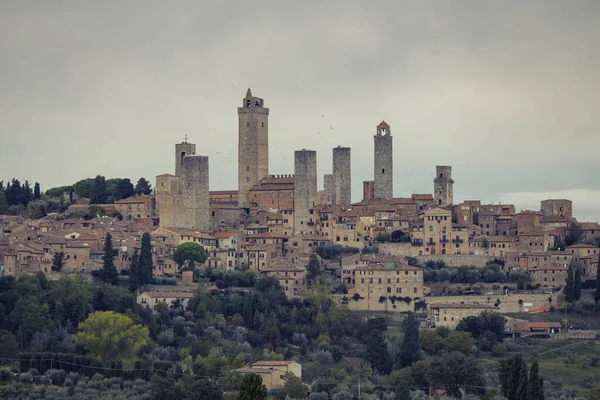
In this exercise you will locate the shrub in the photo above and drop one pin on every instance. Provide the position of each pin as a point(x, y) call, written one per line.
point(57, 376)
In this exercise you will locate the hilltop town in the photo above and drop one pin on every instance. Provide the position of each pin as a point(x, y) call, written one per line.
point(445, 259)
point(273, 223)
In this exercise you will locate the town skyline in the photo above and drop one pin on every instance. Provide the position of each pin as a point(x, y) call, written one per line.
point(452, 88)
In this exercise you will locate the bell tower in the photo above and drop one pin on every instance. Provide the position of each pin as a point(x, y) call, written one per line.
point(253, 145)
point(384, 165)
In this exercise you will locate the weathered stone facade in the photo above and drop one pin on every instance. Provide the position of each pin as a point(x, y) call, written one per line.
point(329, 187)
point(384, 166)
point(557, 208)
point(196, 204)
point(343, 175)
point(305, 190)
point(182, 150)
point(368, 190)
point(443, 190)
point(253, 145)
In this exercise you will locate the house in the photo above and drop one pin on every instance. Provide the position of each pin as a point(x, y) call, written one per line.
point(273, 372)
point(450, 315)
point(152, 299)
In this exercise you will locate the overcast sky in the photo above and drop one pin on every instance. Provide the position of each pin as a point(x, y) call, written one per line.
point(508, 93)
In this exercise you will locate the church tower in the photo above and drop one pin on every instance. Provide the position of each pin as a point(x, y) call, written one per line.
point(253, 145)
point(443, 186)
point(384, 173)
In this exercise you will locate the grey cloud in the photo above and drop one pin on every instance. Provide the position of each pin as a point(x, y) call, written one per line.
point(506, 92)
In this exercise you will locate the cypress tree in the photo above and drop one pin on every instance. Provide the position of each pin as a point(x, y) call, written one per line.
point(513, 376)
point(109, 273)
point(145, 261)
point(570, 285)
point(521, 393)
point(597, 294)
point(99, 191)
point(26, 193)
point(3, 201)
point(134, 272)
point(535, 387)
point(377, 353)
point(577, 283)
point(410, 348)
point(36, 191)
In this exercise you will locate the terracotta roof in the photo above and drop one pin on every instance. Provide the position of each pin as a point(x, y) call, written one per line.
point(225, 235)
point(168, 295)
point(135, 199)
point(272, 363)
point(382, 124)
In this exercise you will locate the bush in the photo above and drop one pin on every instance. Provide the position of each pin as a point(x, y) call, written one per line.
point(57, 376)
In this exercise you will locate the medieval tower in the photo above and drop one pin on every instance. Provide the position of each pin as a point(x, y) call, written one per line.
point(343, 176)
point(182, 199)
point(181, 150)
point(253, 145)
point(443, 186)
point(305, 190)
point(384, 174)
point(329, 187)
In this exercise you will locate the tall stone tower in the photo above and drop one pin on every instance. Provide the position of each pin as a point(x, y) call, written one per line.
point(194, 189)
point(329, 186)
point(253, 145)
point(343, 176)
point(443, 186)
point(384, 165)
point(181, 150)
point(305, 190)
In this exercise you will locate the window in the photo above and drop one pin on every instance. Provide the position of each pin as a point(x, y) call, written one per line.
point(383, 170)
point(247, 168)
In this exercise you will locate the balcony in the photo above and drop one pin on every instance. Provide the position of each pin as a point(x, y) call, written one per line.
point(457, 240)
point(416, 243)
point(444, 241)
point(430, 243)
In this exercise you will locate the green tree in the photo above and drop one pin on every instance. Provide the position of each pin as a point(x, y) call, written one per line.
point(27, 193)
point(293, 387)
point(3, 201)
point(409, 351)
point(402, 391)
point(9, 348)
point(523, 381)
point(142, 187)
point(313, 269)
point(36, 191)
point(459, 341)
point(535, 386)
point(597, 293)
point(123, 190)
point(376, 352)
point(83, 188)
point(453, 372)
point(510, 376)
point(109, 273)
point(165, 388)
point(573, 283)
point(99, 191)
point(397, 235)
point(199, 388)
point(145, 261)
point(108, 336)
point(14, 192)
point(190, 253)
point(58, 261)
point(134, 272)
point(252, 388)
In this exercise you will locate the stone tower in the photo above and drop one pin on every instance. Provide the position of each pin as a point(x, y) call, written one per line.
point(443, 186)
point(194, 189)
point(384, 166)
point(253, 145)
point(305, 190)
point(329, 187)
point(343, 176)
point(181, 150)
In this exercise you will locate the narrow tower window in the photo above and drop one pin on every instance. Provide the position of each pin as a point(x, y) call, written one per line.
point(182, 155)
point(383, 170)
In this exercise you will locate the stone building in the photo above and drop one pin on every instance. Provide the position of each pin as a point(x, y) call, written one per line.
point(557, 208)
point(443, 186)
point(528, 221)
point(274, 192)
point(305, 190)
point(384, 166)
point(342, 175)
point(368, 190)
point(450, 315)
point(436, 234)
point(253, 145)
point(183, 200)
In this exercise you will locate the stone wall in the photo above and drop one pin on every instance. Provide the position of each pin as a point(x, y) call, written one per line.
point(508, 303)
point(181, 151)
